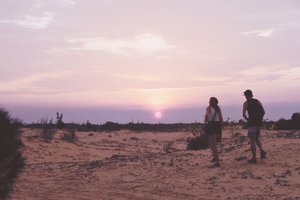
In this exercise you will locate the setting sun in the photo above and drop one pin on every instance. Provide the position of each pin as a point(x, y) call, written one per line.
point(158, 115)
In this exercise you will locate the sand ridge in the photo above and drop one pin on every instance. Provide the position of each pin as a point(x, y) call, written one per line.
point(156, 165)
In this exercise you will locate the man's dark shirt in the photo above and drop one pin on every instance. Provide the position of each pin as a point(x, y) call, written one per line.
point(255, 112)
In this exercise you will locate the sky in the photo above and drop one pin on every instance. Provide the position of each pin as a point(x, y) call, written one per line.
point(120, 58)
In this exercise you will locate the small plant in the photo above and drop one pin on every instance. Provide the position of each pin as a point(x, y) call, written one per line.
point(168, 147)
point(198, 141)
point(59, 122)
point(88, 125)
point(69, 135)
point(47, 131)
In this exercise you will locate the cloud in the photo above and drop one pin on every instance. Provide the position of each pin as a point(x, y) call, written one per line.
point(143, 43)
point(265, 33)
point(62, 3)
point(288, 26)
point(266, 73)
point(67, 2)
point(210, 57)
point(172, 83)
point(27, 85)
point(39, 3)
point(269, 32)
point(139, 77)
point(260, 33)
point(33, 22)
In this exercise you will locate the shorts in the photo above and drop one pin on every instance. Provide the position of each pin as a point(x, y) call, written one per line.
point(213, 128)
point(253, 132)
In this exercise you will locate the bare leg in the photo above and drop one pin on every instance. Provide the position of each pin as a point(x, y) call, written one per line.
point(262, 152)
point(253, 147)
point(258, 143)
point(213, 146)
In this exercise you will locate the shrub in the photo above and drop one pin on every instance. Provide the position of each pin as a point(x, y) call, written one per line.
point(47, 130)
point(111, 126)
point(9, 132)
point(283, 124)
point(296, 120)
point(288, 124)
point(59, 122)
point(69, 135)
point(198, 141)
point(11, 160)
point(167, 148)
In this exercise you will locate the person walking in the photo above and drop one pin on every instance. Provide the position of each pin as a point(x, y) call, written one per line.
point(214, 118)
point(253, 112)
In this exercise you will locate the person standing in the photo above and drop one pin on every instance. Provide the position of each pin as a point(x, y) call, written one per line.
point(214, 118)
point(253, 112)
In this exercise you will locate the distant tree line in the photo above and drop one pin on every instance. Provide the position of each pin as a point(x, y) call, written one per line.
point(114, 126)
point(286, 124)
point(281, 124)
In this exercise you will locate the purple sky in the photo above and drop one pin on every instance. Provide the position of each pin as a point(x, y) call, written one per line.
point(148, 55)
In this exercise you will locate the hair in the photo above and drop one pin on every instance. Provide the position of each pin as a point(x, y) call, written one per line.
point(248, 93)
point(213, 101)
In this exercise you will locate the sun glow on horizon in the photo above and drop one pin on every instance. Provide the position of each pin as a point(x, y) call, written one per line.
point(158, 115)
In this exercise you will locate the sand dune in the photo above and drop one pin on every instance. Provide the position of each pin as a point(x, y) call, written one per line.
point(127, 165)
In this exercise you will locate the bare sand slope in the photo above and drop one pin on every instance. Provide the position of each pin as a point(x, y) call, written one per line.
point(126, 165)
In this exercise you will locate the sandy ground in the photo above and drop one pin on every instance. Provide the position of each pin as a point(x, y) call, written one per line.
point(128, 165)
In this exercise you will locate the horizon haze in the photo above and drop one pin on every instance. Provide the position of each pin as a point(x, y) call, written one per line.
point(101, 115)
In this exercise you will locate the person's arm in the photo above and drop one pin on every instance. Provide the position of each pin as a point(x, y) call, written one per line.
point(206, 114)
point(263, 110)
point(221, 117)
point(245, 111)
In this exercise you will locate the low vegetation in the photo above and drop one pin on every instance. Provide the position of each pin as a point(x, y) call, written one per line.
point(59, 122)
point(11, 160)
point(113, 126)
point(199, 140)
point(47, 129)
point(69, 135)
point(293, 123)
point(286, 124)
